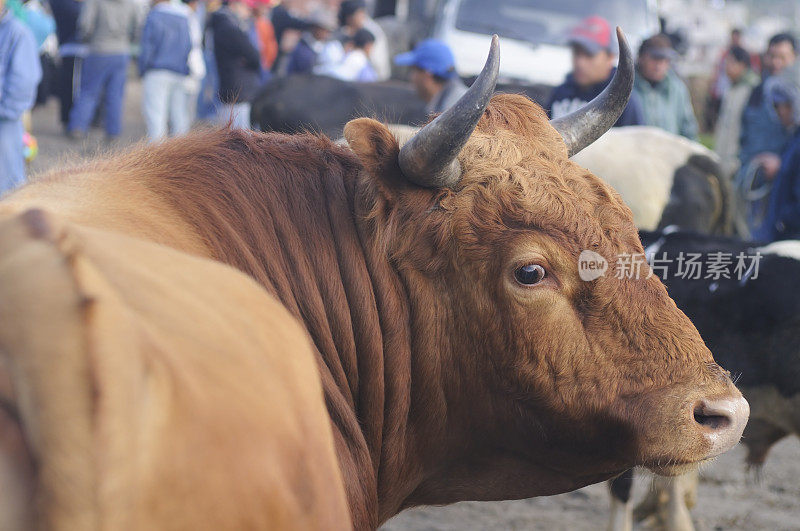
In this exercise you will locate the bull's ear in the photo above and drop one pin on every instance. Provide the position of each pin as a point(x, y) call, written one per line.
point(377, 148)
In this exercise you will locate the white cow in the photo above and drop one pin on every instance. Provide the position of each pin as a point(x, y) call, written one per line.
point(640, 163)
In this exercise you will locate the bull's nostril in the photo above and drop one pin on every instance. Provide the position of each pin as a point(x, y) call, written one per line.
point(708, 418)
point(714, 422)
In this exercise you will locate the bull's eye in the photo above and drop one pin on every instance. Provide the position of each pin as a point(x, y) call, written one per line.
point(530, 274)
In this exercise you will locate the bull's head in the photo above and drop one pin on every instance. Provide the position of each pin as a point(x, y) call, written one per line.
point(565, 381)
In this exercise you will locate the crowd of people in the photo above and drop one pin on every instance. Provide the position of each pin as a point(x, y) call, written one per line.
point(757, 127)
point(197, 59)
point(660, 98)
point(208, 60)
point(754, 103)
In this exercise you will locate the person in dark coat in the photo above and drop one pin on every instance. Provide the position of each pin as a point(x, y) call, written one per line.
point(282, 19)
point(70, 50)
point(238, 61)
point(594, 54)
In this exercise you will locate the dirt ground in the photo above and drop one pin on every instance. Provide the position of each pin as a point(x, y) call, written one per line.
point(55, 149)
point(727, 497)
point(727, 500)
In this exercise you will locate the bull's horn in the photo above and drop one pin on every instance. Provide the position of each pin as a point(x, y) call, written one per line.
point(582, 127)
point(430, 158)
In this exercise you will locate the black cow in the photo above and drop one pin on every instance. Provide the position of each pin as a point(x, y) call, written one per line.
point(751, 322)
point(700, 198)
point(323, 104)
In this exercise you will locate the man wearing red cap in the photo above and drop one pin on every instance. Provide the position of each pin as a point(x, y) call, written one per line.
point(594, 56)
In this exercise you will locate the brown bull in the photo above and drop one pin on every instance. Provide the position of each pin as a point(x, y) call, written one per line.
point(460, 354)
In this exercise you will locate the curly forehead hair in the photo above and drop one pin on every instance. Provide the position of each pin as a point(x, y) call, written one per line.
point(516, 173)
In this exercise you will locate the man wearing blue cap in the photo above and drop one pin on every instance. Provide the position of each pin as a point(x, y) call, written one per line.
point(594, 56)
point(433, 73)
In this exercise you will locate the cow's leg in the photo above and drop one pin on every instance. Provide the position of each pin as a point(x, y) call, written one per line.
point(621, 506)
point(688, 485)
point(674, 513)
point(759, 436)
point(649, 505)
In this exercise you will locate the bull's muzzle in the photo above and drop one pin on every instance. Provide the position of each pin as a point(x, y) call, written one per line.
point(721, 421)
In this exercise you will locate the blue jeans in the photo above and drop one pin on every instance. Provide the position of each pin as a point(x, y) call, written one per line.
point(99, 73)
point(165, 103)
point(12, 160)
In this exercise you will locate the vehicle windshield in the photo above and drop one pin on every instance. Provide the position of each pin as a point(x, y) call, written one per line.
point(547, 21)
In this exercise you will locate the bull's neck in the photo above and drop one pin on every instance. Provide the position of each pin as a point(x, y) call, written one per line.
point(299, 231)
point(285, 213)
point(380, 371)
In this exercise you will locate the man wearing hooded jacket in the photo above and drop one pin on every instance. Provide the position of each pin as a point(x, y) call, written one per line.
point(782, 220)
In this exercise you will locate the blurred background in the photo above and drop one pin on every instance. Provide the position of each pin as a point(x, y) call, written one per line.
point(535, 45)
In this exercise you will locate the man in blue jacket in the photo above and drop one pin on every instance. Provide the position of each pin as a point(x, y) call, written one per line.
point(594, 56)
point(306, 54)
point(20, 73)
point(782, 220)
point(164, 67)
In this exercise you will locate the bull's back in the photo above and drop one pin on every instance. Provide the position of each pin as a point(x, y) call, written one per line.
point(120, 203)
point(153, 390)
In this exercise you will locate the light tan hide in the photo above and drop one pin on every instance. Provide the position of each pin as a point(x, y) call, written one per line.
point(142, 388)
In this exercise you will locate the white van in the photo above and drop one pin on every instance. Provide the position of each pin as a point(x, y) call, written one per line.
point(533, 33)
